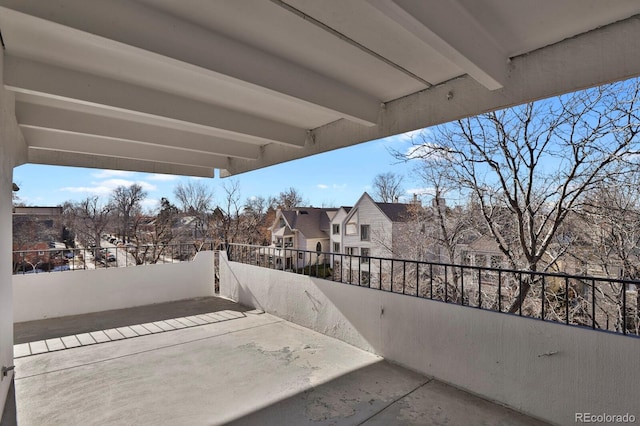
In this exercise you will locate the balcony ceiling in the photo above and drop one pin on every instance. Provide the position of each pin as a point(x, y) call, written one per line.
point(190, 86)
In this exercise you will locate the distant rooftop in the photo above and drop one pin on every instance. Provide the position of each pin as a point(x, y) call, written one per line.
point(38, 210)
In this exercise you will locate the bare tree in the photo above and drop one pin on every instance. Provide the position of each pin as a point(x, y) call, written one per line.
point(154, 243)
point(387, 187)
point(530, 165)
point(445, 226)
point(287, 199)
point(89, 218)
point(195, 200)
point(254, 226)
point(226, 216)
point(125, 201)
point(610, 220)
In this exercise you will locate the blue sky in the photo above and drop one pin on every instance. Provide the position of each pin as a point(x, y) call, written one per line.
point(331, 179)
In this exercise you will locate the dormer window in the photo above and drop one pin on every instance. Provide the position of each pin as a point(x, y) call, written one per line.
point(281, 222)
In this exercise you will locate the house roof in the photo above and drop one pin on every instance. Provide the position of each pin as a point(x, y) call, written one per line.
point(187, 87)
point(283, 232)
point(37, 210)
point(309, 221)
point(396, 212)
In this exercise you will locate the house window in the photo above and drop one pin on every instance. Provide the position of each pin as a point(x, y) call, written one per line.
point(496, 261)
point(288, 242)
point(481, 260)
point(351, 228)
point(336, 247)
point(336, 229)
point(351, 251)
point(466, 258)
point(364, 232)
point(281, 222)
point(318, 247)
point(279, 242)
point(364, 255)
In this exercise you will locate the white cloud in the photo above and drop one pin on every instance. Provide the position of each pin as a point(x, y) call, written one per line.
point(151, 204)
point(114, 183)
point(414, 136)
point(95, 190)
point(105, 187)
point(336, 186)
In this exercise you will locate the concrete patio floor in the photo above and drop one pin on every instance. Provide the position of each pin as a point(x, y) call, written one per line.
point(252, 368)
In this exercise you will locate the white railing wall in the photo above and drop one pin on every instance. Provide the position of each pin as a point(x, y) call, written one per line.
point(547, 370)
point(56, 294)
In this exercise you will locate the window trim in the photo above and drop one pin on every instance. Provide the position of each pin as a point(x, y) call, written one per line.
point(364, 258)
point(365, 236)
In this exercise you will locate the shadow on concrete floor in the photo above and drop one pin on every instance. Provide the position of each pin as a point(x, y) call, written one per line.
point(31, 331)
point(9, 413)
point(372, 396)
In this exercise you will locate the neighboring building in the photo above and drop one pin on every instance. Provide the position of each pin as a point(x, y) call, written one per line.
point(190, 227)
point(483, 252)
point(300, 237)
point(368, 229)
point(336, 238)
point(372, 229)
point(36, 230)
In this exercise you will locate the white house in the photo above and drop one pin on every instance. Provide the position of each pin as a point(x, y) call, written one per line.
point(336, 229)
point(368, 229)
point(299, 237)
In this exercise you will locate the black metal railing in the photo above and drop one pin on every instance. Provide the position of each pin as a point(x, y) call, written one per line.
point(599, 303)
point(70, 259)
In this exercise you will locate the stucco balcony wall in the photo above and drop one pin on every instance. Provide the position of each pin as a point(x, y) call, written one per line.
point(546, 370)
point(57, 294)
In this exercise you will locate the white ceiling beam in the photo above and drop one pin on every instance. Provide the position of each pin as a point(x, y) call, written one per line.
point(27, 76)
point(449, 28)
point(178, 40)
point(95, 145)
point(74, 159)
point(590, 59)
point(33, 115)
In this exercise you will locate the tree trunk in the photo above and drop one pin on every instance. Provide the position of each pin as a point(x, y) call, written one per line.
point(525, 287)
